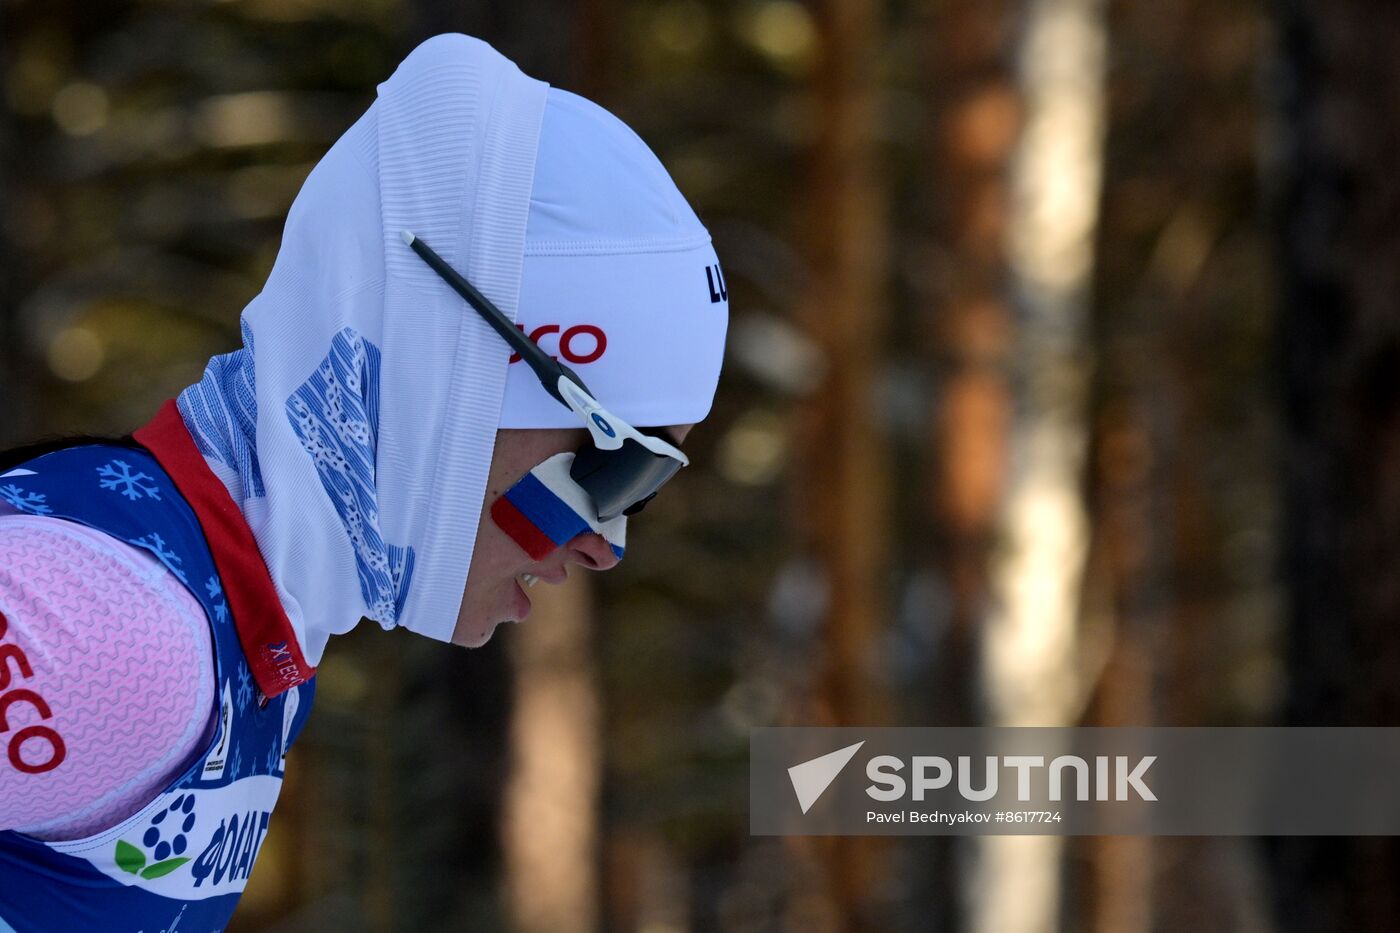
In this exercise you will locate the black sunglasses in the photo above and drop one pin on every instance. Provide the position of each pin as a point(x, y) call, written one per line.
point(623, 468)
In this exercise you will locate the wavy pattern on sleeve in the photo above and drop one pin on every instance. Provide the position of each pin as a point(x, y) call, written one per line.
point(121, 653)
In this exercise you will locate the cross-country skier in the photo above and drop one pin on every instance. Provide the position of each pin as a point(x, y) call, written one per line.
point(492, 320)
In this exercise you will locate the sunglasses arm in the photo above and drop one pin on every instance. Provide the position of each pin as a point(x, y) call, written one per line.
point(597, 419)
point(548, 370)
point(607, 430)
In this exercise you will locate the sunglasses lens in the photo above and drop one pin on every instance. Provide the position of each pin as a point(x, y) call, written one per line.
point(621, 481)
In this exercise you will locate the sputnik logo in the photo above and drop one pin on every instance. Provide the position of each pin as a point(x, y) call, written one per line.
point(811, 778)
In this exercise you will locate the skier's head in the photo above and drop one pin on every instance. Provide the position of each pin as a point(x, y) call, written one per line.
point(621, 284)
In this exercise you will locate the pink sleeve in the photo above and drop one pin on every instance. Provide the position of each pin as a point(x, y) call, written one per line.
point(106, 678)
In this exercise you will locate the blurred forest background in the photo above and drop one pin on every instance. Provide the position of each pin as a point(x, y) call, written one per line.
point(1061, 389)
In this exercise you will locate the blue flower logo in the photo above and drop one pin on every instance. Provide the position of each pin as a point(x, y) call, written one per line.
point(161, 841)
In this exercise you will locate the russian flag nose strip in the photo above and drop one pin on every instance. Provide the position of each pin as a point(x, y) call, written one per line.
point(547, 509)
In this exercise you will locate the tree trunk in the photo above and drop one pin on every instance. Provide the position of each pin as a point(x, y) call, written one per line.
point(1182, 427)
point(1029, 642)
point(973, 97)
point(1338, 197)
point(845, 464)
point(550, 826)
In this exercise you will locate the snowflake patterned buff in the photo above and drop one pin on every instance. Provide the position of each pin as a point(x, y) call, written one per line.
point(354, 429)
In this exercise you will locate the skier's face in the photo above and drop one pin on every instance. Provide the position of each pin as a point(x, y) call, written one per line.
point(494, 593)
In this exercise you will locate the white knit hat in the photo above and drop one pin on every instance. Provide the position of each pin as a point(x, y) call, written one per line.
point(620, 280)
